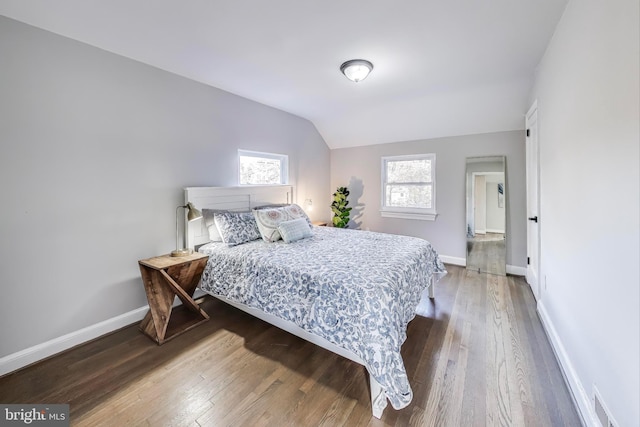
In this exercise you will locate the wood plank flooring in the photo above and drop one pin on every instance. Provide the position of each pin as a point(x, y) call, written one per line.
point(475, 356)
point(487, 253)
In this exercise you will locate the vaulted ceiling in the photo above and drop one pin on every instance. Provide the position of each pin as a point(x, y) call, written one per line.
point(441, 67)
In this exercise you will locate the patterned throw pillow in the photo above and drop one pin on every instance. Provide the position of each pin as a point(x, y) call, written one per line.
point(236, 227)
point(294, 230)
point(268, 220)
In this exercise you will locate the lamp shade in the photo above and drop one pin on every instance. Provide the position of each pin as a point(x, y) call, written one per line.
point(356, 69)
point(192, 212)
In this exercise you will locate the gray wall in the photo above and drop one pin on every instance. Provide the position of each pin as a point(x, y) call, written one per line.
point(587, 89)
point(359, 169)
point(94, 152)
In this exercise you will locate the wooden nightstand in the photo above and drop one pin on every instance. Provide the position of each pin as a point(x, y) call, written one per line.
point(319, 223)
point(164, 278)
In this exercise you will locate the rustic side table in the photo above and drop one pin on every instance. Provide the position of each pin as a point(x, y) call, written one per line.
point(164, 278)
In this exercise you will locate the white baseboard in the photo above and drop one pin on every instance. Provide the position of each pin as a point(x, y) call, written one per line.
point(516, 271)
point(462, 262)
point(38, 352)
point(492, 230)
point(20, 359)
point(580, 396)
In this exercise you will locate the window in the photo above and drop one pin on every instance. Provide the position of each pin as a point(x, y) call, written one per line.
point(262, 168)
point(409, 187)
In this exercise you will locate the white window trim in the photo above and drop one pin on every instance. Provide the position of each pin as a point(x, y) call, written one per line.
point(284, 165)
point(408, 213)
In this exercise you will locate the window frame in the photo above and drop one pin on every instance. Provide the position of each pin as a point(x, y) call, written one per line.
point(426, 214)
point(284, 165)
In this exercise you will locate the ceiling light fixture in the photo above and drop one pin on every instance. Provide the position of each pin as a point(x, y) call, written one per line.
point(356, 69)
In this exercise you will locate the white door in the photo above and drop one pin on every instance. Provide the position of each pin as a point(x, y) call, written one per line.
point(533, 200)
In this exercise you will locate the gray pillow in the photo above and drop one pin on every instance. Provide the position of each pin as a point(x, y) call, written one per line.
point(294, 230)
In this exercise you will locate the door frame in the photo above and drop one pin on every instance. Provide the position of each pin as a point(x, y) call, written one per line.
point(532, 151)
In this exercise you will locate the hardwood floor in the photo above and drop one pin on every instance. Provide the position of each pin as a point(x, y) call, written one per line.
point(476, 356)
point(487, 253)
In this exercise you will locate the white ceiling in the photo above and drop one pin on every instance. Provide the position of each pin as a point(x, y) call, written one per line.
point(441, 67)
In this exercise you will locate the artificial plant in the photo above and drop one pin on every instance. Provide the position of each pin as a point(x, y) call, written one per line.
point(340, 209)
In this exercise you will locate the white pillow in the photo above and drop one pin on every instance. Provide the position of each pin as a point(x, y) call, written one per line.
point(209, 223)
point(268, 220)
point(294, 230)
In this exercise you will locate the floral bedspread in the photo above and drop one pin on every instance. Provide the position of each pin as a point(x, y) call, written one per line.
point(356, 289)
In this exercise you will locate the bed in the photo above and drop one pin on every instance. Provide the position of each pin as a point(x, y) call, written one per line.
point(351, 292)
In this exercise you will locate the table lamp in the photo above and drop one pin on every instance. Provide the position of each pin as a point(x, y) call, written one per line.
point(192, 215)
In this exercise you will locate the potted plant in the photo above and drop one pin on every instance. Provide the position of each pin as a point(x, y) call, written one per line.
point(340, 209)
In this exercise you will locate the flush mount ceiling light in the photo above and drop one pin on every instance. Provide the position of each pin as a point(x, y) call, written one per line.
point(356, 69)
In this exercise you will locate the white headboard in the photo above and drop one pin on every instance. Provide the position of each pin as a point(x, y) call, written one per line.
point(233, 199)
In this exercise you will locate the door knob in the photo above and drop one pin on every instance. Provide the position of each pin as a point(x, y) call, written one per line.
point(534, 219)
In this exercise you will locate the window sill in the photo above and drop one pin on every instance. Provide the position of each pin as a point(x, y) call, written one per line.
point(409, 215)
